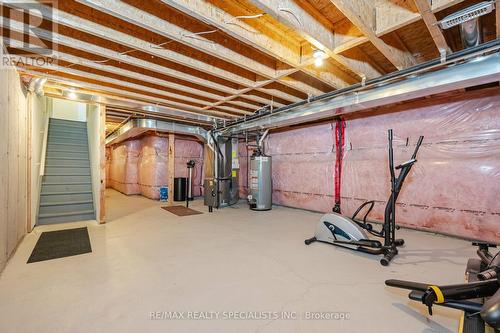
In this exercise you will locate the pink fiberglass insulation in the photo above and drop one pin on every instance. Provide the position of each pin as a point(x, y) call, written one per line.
point(302, 167)
point(453, 188)
point(123, 169)
point(186, 150)
point(140, 166)
point(153, 165)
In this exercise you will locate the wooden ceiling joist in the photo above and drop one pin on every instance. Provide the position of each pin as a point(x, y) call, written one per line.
point(142, 18)
point(223, 59)
point(133, 43)
point(127, 60)
point(120, 92)
point(360, 13)
point(390, 17)
point(112, 100)
point(286, 52)
point(294, 16)
point(430, 21)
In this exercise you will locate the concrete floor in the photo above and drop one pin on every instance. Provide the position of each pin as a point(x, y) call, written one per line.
point(234, 260)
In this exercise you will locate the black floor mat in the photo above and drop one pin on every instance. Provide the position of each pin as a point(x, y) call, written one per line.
point(60, 244)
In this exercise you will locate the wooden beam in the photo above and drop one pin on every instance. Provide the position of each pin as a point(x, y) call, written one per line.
point(129, 41)
point(124, 93)
point(237, 28)
point(387, 22)
point(360, 13)
point(392, 15)
point(424, 7)
point(164, 28)
point(116, 56)
point(171, 167)
point(91, 28)
point(159, 95)
point(291, 14)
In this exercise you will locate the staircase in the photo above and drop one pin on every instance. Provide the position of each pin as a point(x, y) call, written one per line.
point(66, 193)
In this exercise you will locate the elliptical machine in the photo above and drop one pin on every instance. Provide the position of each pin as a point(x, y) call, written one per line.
point(351, 233)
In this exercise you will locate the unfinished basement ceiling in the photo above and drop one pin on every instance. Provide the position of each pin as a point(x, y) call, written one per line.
point(225, 59)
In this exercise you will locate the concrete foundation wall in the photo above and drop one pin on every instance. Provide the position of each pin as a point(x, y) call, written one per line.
point(453, 188)
point(14, 133)
point(140, 166)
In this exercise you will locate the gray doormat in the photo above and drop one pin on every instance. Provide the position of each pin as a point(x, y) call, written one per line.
point(60, 244)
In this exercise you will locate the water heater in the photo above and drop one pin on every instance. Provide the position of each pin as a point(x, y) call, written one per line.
point(260, 183)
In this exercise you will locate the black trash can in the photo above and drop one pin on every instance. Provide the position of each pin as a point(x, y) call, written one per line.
point(180, 188)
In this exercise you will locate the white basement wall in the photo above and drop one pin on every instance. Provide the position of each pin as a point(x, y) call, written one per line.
point(96, 129)
point(40, 107)
point(13, 162)
point(68, 110)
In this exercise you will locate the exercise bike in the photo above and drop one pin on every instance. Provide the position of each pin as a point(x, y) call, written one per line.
point(352, 233)
point(479, 298)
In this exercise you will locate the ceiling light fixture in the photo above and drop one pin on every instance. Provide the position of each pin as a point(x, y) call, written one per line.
point(318, 56)
point(71, 94)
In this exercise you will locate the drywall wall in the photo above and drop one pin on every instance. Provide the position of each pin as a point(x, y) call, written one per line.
point(69, 110)
point(453, 188)
point(140, 166)
point(39, 113)
point(95, 130)
point(13, 162)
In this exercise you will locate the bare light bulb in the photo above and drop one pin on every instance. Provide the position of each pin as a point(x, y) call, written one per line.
point(318, 56)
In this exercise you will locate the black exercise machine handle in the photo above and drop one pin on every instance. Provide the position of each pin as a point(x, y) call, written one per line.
point(391, 155)
point(410, 285)
point(371, 203)
point(419, 143)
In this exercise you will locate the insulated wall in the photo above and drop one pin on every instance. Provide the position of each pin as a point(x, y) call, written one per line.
point(14, 134)
point(186, 150)
point(453, 188)
point(140, 166)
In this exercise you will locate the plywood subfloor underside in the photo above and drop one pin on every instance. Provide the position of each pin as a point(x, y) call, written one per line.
point(235, 259)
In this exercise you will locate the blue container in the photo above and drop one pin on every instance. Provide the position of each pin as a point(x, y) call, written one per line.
point(163, 193)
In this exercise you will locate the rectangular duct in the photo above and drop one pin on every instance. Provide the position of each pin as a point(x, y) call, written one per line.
point(480, 70)
point(136, 127)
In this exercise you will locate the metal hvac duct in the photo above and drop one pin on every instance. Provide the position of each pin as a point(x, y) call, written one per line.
point(480, 70)
point(136, 127)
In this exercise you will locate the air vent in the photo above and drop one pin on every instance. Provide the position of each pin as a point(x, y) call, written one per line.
point(467, 14)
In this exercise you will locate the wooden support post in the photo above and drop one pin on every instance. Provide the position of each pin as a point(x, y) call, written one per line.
point(171, 168)
point(102, 164)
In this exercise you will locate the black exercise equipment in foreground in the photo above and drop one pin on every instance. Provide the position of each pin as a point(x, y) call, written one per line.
point(479, 298)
